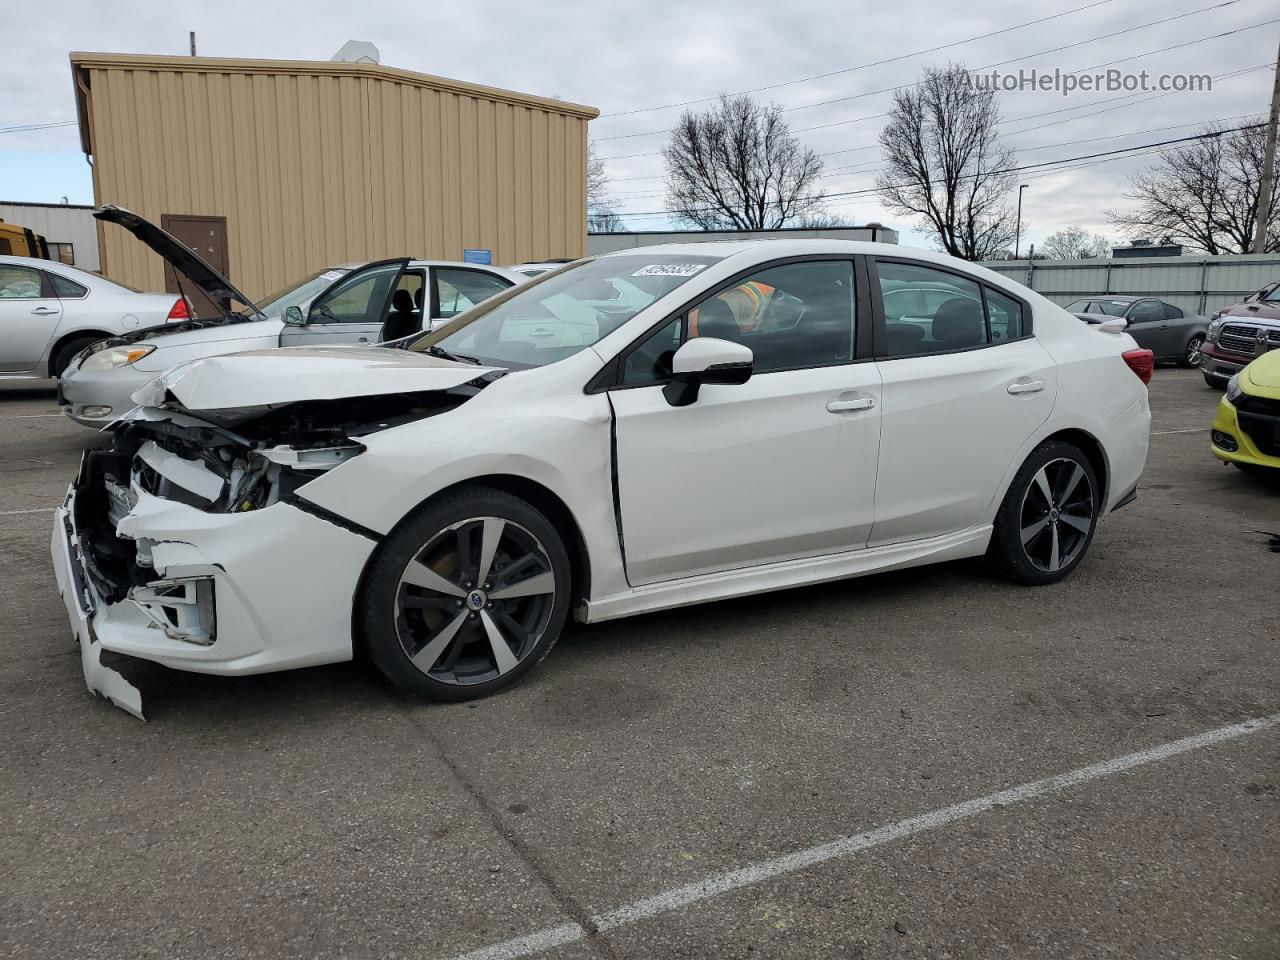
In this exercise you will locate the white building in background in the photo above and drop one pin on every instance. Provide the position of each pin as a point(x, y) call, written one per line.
point(69, 228)
point(608, 242)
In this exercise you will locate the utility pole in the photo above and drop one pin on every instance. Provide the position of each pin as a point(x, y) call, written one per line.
point(1267, 185)
point(193, 43)
point(1017, 235)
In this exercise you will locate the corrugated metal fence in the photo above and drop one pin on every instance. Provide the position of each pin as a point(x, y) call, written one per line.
point(1201, 285)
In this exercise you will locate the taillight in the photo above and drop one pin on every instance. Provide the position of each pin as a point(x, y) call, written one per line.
point(179, 310)
point(1141, 362)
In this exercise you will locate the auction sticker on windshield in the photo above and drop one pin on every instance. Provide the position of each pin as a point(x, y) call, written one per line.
point(669, 270)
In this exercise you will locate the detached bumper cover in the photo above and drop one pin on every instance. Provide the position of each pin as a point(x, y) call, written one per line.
point(278, 583)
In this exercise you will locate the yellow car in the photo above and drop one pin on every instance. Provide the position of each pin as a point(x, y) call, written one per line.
point(1246, 431)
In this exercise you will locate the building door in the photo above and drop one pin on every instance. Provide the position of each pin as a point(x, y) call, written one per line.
point(207, 236)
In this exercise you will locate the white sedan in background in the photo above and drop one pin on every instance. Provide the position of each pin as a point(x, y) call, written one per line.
point(754, 422)
point(49, 312)
point(351, 303)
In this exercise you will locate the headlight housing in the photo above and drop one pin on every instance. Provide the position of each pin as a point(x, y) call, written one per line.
point(1233, 389)
point(113, 357)
point(1215, 325)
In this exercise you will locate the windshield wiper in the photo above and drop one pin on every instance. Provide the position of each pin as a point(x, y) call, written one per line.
point(437, 351)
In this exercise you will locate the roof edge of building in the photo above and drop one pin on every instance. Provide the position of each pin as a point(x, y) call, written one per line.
point(82, 60)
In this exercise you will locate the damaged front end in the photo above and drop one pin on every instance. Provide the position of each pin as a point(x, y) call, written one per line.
point(184, 543)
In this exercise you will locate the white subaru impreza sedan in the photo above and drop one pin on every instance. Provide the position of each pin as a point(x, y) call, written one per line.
point(750, 416)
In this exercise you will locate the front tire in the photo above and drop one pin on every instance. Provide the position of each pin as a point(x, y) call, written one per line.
point(466, 596)
point(59, 361)
point(1047, 520)
point(1216, 383)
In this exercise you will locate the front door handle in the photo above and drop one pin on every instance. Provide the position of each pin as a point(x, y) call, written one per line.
point(859, 403)
point(1026, 386)
point(43, 311)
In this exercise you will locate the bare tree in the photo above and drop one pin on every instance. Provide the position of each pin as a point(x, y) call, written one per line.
point(1203, 194)
point(597, 178)
point(601, 216)
point(946, 164)
point(604, 220)
point(739, 166)
point(1075, 243)
point(823, 221)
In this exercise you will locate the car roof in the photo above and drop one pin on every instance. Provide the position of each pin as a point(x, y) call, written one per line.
point(1117, 297)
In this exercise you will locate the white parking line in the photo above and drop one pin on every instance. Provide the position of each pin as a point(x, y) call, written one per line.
point(32, 416)
point(1164, 433)
point(15, 513)
point(719, 883)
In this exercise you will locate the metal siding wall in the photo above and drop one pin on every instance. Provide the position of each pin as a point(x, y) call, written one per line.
point(1195, 284)
point(59, 224)
point(311, 170)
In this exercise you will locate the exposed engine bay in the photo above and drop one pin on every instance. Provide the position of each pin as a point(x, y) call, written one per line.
point(222, 462)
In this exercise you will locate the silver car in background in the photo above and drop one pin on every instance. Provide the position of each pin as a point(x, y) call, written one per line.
point(350, 304)
point(49, 312)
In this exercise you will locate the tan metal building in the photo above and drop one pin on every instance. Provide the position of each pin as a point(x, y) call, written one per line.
point(277, 168)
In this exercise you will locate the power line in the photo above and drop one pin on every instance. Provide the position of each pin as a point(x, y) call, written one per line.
point(1068, 46)
point(1149, 147)
point(1133, 103)
point(870, 93)
point(25, 127)
point(1029, 116)
point(861, 66)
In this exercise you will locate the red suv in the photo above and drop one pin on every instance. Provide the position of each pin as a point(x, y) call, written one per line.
point(1239, 333)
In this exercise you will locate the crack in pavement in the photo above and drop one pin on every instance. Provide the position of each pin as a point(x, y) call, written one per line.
point(595, 937)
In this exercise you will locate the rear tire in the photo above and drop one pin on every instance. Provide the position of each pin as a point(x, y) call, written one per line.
point(1046, 523)
point(465, 597)
point(1191, 359)
point(58, 362)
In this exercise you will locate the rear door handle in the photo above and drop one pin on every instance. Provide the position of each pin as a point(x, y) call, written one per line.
point(858, 403)
point(43, 311)
point(1026, 386)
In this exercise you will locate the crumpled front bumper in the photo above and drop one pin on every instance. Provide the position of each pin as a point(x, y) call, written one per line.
point(281, 583)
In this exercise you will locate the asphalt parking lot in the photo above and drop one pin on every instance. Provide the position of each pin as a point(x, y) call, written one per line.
point(640, 794)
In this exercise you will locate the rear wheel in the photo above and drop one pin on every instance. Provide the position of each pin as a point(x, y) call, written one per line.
point(1046, 522)
point(466, 597)
point(62, 356)
point(1192, 357)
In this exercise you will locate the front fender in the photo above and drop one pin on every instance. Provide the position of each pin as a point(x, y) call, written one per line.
point(563, 448)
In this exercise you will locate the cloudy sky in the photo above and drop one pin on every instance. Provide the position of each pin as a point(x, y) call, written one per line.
point(627, 57)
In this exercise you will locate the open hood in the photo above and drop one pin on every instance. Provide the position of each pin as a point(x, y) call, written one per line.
point(182, 258)
point(269, 378)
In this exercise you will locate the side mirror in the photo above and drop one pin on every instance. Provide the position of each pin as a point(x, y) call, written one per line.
point(293, 317)
point(706, 360)
point(1114, 325)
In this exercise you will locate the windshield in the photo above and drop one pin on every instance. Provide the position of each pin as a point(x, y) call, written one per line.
point(299, 294)
point(561, 314)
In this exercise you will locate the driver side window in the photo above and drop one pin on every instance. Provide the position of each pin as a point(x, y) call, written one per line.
point(792, 316)
point(1146, 311)
point(362, 298)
